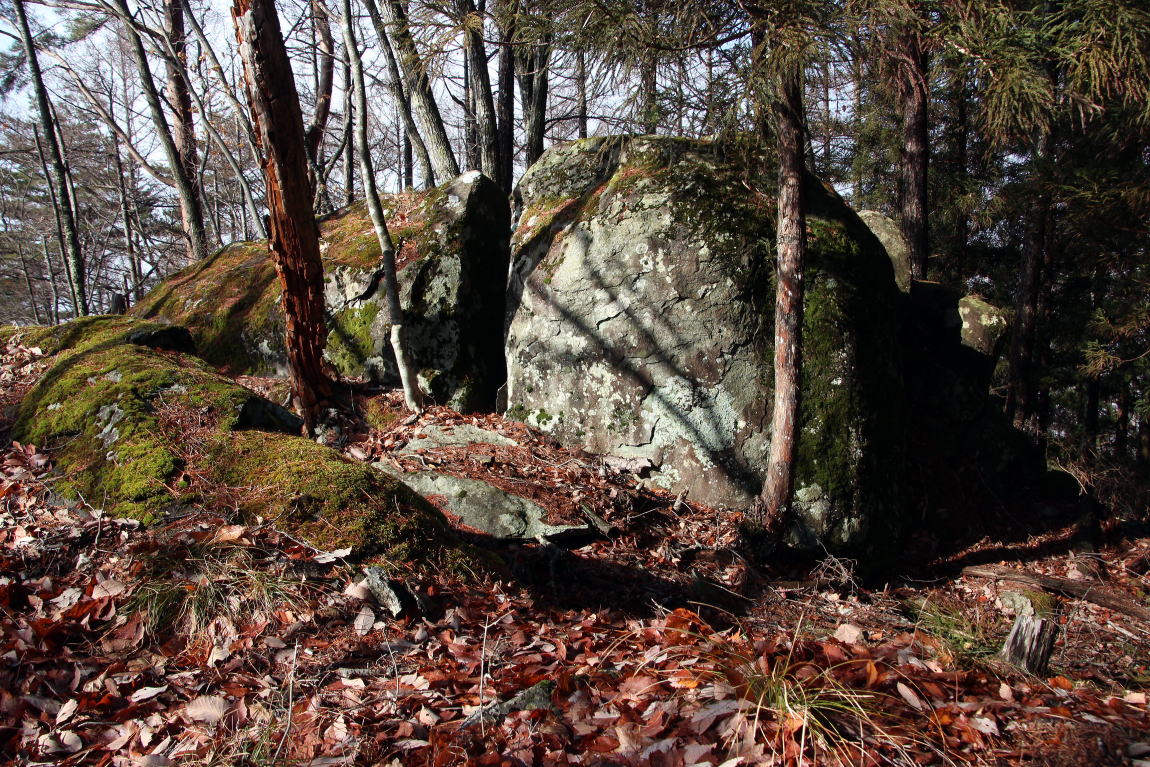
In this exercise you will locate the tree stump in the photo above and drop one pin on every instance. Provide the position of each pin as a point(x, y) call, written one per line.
point(1031, 643)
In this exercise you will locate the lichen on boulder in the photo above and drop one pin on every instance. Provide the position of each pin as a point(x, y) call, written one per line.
point(451, 247)
point(114, 415)
point(640, 325)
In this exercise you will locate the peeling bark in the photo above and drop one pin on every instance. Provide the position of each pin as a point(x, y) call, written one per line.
point(294, 240)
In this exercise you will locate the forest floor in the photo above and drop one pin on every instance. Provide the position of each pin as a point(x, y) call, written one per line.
point(214, 640)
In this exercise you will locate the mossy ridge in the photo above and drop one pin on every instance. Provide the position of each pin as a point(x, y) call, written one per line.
point(231, 301)
point(227, 301)
point(95, 410)
point(413, 218)
point(310, 491)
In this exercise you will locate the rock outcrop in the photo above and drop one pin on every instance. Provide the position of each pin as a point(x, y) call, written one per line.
point(640, 325)
point(452, 260)
point(149, 434)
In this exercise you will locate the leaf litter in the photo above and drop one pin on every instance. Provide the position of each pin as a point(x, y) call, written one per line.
point(657, 644)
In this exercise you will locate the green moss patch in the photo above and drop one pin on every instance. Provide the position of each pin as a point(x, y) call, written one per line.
point(350, 339)
point(105, 411)
point(329, 501)
point(95, 410)
point(230, 302)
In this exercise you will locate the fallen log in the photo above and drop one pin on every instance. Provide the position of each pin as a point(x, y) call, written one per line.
point(1091, 591)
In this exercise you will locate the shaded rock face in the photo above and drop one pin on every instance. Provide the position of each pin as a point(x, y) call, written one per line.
point(451, 247)
point(887, 231)
point(641, 318)
point(960, 439)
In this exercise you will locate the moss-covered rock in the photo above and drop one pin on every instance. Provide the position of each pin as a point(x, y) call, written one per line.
point(641, 323)
point(115, 417)
point(452, 258)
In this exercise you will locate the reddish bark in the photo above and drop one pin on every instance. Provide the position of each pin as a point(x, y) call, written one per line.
point(915, 159)
point(294, 241)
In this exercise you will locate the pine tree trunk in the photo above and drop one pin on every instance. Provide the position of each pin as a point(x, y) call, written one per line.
point(535, 107)
point(915, 153)
point(51, 282)
point(418, 88)
point(294, 235)
point(771, 508)
point(65, 212)
point(1020, 404)
point(648, 90)
point(411, 394)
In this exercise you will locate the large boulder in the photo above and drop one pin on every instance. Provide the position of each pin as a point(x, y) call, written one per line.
point(452, 261)
point(148, 433)
point(640, 325)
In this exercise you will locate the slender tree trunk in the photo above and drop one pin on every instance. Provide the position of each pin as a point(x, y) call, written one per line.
point(126, 224)
point(1020, 404)
point(294, 235)
point(51, 270)
point(505, 98)
point(913, 167)
point(28, 284)
point(407, 377)
point(191, 209)
point(408, 162)
point(470, 132)
point(535, 98)
point(183, 124)
point(418, 87)
point(244, 124)
point(648, 90)
point(483, 105)
point(771, 508)
point(325, 47)
point(230, 158)
point(401, 97)
point(66, 213)
point(348, 133)
point(63, 237)
point(581, 90)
